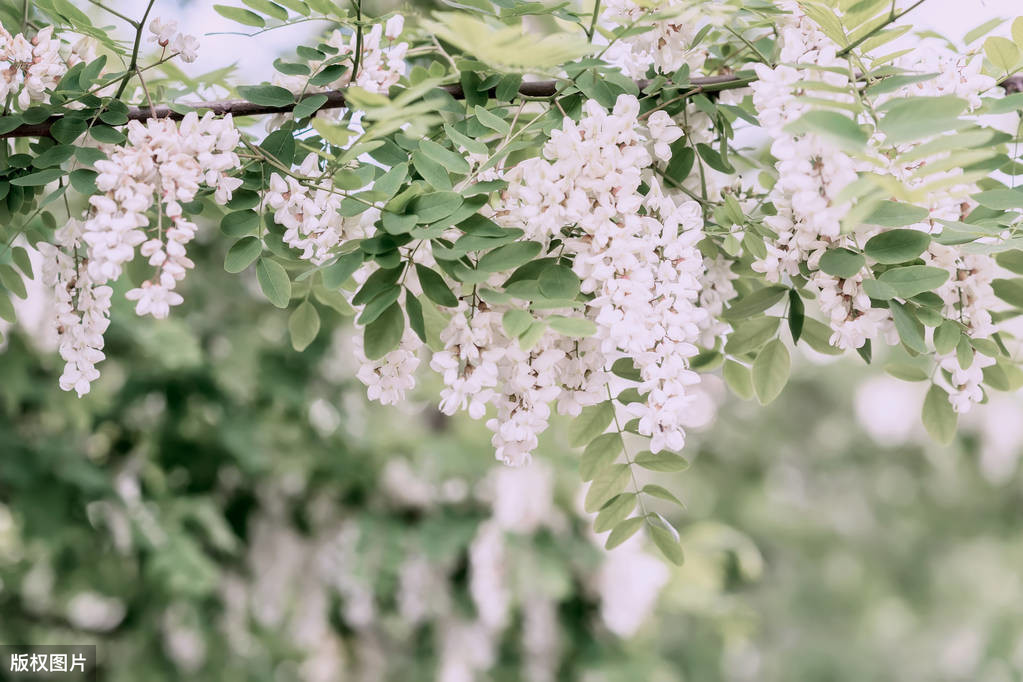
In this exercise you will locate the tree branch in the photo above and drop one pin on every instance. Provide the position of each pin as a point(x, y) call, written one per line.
point(336, 99)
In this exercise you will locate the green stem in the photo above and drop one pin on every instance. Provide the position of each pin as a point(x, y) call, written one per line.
point(112, 11)
point(358, 41)
point(893, 16)
point(750, 45)
point(133, 65)
point(593, 22)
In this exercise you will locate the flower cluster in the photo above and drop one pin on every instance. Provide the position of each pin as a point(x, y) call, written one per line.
point(635, 251)
point(813, 172)
point(381, 64)
point(31, 68)
point(82, 307)
point(163, 164)
point(309, 212)
point(166, 35)
point(666, 46)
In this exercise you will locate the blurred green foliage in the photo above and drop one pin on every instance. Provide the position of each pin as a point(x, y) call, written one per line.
point(878, 563)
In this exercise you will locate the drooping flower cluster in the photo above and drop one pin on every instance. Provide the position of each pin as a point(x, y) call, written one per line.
point(634, 251)
point(163, 165)
point(813, 172)
point(666, 47)
point(380, 65)
point(166, 35)
point(33, 67)
point(82, 307)
point(309, 213)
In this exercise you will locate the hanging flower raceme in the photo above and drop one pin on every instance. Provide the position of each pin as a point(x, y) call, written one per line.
point(162, 165)
point(704, 185)
point(81, 306)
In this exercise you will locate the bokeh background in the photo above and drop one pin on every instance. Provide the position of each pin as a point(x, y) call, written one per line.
point(223, 508)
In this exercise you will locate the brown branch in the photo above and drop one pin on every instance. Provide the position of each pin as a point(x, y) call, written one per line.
point(336, 99)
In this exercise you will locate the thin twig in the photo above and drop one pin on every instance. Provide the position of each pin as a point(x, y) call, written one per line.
point(140, 27)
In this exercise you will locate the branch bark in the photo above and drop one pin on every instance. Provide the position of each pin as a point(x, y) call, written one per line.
point(336, 99)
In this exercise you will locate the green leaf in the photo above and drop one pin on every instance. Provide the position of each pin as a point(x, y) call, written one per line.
point(22, 260)
point(946, 337)
point(897, 246)
point(268, 8)
point(609, 482)
point(491, 120)
point(239, 15)
point(662, 493)
point(914, 279)
point(1000, 199)
point(614, 512)
point(755, 303)
point(833, 126)
point(434, 286)
point(273, 280)
point(509, 256)
point(239, 223)
point(751, 334)
point(558, 281)
point(384, 334)
point(267, 95)
point(38, 178)
point(939, 418)
point(280, 144)
point(331, 132)
point(54, 156)
point(910, 330)
point(242, 254)
point(445, 157)
point(303, 325)
point(906, 372)
point(842, 263)
point(507, 48)
point(797, 315)
point(309, 105)
point(771, 371)
point(600, 453)
point(982, 30)
point(416, 319)
point(336, 274)
point(328, 75)
point(516, 322)
point(626, 369)
point(572, 326)
point(662, 461)
point(434, 206)
point(817, 335)
point(1011, 260)
point(878, 290)
point(590, 423)
point(1003, 53)
point(10, 279)
point(431, 171)
point(106, 134)
point(682, 160)
point(666, 538)
point(1009, 290)
point(378, 304)
point(68, 129)
point(739, 378)
point(914, 118)
point(623, 531)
